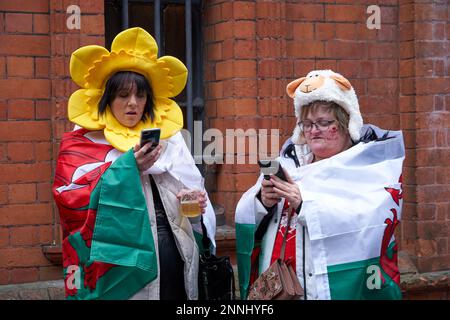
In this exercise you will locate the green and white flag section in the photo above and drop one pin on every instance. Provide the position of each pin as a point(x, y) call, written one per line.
point(351, 207)
point(108, 246)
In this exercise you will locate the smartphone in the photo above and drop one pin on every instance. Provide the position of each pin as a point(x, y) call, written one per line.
point(150, 136)
point(269, 167)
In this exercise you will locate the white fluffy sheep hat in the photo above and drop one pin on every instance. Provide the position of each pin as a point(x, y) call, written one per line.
point(326, 85)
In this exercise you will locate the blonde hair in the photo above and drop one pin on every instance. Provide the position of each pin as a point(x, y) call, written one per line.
point(338, 112)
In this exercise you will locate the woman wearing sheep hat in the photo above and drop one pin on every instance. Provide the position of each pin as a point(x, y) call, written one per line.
point(343, 194)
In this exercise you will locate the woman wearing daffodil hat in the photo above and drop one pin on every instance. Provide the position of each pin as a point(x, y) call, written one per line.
point(123, 236)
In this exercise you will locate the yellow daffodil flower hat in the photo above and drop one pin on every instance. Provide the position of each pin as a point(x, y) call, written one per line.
point(134, 50)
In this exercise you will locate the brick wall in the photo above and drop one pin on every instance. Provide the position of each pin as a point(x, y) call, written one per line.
point(400, 74)
point(34, 88)
point(252, 50)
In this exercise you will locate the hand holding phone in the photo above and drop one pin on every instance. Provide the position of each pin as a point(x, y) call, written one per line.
point(274, 167)
point(150, 136)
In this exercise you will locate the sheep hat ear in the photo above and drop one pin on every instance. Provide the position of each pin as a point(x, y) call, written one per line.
point(326, 85)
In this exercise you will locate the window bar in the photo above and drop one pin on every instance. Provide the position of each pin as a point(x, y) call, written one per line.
point(189, 109)
point(157, 15)
point(125, 22)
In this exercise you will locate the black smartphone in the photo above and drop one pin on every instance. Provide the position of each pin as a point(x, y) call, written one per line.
point(269, 167)
point(150, 136)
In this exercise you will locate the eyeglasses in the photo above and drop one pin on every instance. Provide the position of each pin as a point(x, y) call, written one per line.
point(322, 125)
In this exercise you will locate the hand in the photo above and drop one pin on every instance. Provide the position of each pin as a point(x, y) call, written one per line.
point(288, 190)
point(202, 199)
point(268, 197)
point(146, 161)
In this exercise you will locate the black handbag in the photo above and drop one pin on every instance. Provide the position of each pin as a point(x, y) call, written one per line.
point(215, 275)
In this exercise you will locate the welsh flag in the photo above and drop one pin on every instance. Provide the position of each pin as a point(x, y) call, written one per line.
point(108, 248)
point(351, 206)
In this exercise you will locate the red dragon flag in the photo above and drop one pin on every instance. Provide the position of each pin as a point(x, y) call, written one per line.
point(352, 204)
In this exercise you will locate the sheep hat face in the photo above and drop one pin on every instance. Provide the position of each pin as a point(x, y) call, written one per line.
point(326, 85)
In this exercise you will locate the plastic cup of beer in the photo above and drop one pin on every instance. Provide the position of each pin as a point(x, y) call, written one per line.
point(189, 204)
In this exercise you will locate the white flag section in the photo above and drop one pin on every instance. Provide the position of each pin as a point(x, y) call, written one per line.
point(351, 206)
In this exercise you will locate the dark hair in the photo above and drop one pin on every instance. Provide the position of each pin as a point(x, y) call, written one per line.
point(124, 80)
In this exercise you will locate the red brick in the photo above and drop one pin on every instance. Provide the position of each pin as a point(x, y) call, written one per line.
point(326, 64)
point(431, 49)
point(224, 70)
point(25, 5)
point(36, 131)
point(245, 107)
point(302, 49)
point(433, 86)
point(345, 31)
point(244, 29)
point(36, 45)
point(50, 273)
point(228, 49)
point(268, 48)
point(215, 89)
point(93, 24)
point(407, 50)
point(24, 236)
point(303, 67)
point(244, 10)
point(270, 88)
point(4, 237)
point(20, 67)
point(21, 109)
point(43, 151)
point(42, 67)
point(245, 88)
point(43, 110)
point(244, 68)
point(20, 152)
point(383, 87)
point(342, 13)
point(406, 12)
point(25, 214)
point(306, 12)
point(41, 23)
point(223, 31)
point(211, 109)
point(268, 10)
point(383, 51)
point(433, 157)
point(24, 257)
point(4, 276)
point(245, 49)
point(213, 14)
point(2, 67)
point(245, 181)
point(407, 68)
point(25, 88)
point(270, 69)
point(44, 192)
point(12, 173)
point(337, 49)
point(325, 31)
point(303, 31)
point(19, 22)
point(22, 193)
point(434, 11)
point(214, 51)
point(270, 28)
point(226, 182)
point(24, 275)
point(389, 15)
point(225, 107)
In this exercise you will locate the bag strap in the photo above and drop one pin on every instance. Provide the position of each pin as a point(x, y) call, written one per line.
point(283, 246)
point(205, 240)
